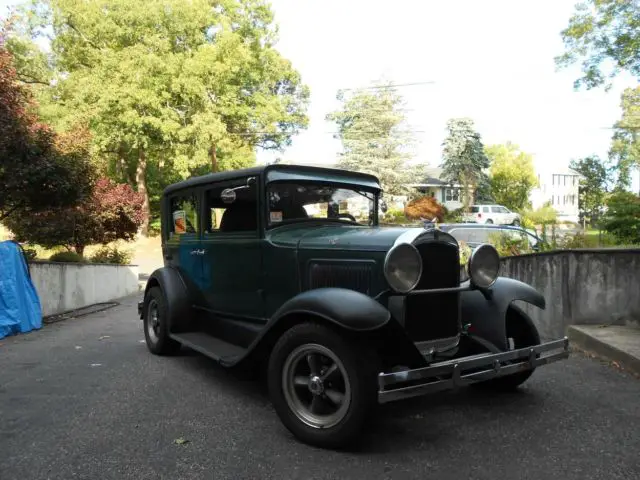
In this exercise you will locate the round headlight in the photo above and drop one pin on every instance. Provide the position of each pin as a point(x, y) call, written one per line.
point(403, 267)
point(484, 266)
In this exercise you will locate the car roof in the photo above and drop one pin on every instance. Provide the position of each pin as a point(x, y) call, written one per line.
point(281, 172)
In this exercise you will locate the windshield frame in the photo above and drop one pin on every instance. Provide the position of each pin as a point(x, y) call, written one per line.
point(355, 187)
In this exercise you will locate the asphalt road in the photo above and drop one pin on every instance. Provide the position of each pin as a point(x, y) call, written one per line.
point(83, 398)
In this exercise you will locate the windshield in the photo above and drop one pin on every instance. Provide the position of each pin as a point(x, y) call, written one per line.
point(299, 201)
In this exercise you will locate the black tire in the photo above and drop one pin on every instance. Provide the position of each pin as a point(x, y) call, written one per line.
point(360, 398)
point(158, 342)
point(524, 333)
point(516, 223)
point(489, 222)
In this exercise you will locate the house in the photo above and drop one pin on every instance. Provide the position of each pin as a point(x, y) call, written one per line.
point(560, 189)
point(449, 195)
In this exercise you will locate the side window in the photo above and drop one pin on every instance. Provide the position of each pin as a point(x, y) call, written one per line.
point(475, 209)
point(184, 215)
point(496, 210)
point(485, 209)
point(232, 207)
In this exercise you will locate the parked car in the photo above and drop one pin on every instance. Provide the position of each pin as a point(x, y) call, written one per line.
point(474, 234)
point(270, 267)
point(497, 214)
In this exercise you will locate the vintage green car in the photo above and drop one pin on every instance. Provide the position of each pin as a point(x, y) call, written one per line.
point(286, 267)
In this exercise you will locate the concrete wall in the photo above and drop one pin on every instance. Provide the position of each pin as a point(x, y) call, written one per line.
point(67, 286)
point(580, 287)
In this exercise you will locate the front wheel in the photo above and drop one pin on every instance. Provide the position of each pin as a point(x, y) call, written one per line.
point(516, 223)
point(156, 324)
point(322, 387)
point(521, 333)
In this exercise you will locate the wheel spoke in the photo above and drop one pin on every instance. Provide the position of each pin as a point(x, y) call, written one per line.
point(330, 371)
point(314, 363)
point(335, 396)
point(301, 381)
point(316, 405)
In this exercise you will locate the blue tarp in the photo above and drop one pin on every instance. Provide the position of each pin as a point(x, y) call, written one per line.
point(20, 309)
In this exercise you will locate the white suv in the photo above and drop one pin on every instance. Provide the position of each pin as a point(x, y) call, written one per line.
point(492, 214)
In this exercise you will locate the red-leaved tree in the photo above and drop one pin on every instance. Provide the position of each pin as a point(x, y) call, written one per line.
point(114, 211)
point(35, 174)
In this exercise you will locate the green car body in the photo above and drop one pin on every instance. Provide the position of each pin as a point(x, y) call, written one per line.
point(253, 257)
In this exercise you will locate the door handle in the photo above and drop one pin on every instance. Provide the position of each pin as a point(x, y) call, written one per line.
point(198, 252)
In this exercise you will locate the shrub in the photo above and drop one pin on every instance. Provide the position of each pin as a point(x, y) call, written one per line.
point(30, 253)
point(113, 212)
point(623, 217)
point(112, 255)
point(424, 208)
point(394, 215)
point(67, 257)
point(453, 216)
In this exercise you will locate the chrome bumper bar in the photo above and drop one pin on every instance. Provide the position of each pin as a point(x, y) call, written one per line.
point(464, 371)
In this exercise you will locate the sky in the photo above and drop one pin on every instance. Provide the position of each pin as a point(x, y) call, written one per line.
point(490, 60)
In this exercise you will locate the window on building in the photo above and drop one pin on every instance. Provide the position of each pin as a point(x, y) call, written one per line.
point(452, 195)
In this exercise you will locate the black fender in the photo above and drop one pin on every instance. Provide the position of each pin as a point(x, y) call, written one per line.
point(357, 314)
point(487, 316)
point(176, 296)
point(347, 308)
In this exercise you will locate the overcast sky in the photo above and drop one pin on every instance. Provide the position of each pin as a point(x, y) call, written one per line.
point(491, 60)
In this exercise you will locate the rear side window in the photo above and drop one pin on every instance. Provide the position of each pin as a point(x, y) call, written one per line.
point(183, 215)
point(475, 209)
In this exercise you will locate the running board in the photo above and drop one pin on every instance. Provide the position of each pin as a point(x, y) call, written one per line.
point(223, 352)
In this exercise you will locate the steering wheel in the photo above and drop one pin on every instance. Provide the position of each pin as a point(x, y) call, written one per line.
point(347, 215)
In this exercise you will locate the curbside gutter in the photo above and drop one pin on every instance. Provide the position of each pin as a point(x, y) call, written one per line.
point(614, 343)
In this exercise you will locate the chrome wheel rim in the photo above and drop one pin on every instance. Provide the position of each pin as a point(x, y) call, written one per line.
point(316, 386)
point(153, 321)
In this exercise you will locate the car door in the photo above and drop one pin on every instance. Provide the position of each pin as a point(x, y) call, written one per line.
point(182, 248)
point(497, 215)
point(232, 263)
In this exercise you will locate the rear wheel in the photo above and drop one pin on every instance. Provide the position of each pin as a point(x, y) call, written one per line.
point(156, 326)
point(521, 333)
point(323, 388)
point(489, 221)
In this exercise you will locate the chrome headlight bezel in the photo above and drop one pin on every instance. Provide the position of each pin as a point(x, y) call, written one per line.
point(484, 266)
point(412, 264)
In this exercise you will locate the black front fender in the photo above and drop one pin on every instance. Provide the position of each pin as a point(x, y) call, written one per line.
point(176, 295)
point(347, 308)
point(487, 316)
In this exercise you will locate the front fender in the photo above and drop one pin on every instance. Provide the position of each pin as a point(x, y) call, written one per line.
point(176, 296)
point(347, 308)
point(487, 316)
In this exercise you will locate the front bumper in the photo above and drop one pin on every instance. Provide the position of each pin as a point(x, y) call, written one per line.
point(459, 372)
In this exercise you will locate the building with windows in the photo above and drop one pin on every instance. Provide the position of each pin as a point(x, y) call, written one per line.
point(560, 189)
point(451, 196)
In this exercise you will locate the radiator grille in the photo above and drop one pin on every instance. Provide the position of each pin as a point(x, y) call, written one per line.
point(433, 316)
point(353, 275)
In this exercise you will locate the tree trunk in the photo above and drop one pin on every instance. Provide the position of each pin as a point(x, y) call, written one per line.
point(141, 183)
point(214, 158)
point(79, 250)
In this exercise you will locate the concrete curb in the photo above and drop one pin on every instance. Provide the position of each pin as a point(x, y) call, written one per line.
point(583, 338)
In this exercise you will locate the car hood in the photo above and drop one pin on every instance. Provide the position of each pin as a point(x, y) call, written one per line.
point(341, 237)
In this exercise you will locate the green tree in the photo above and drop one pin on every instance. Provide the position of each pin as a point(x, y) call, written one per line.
point(623, 217)
point(594, 185)
point(603, 31)
point(173, 87)
point(512, 175)
point(372, 128)
point(625, 145)
point(464, 159)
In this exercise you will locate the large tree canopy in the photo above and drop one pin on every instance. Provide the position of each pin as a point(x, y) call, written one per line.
point(463, 158)
point(603, 32)
point(625, 144)
point(512, 175)
point(38, 169)
point(594, 185)
point(372, 127)
point(183, 86)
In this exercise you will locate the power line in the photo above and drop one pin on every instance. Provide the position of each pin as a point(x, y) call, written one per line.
point(390, 85)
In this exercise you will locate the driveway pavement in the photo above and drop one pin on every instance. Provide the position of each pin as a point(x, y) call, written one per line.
point(84, 399)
